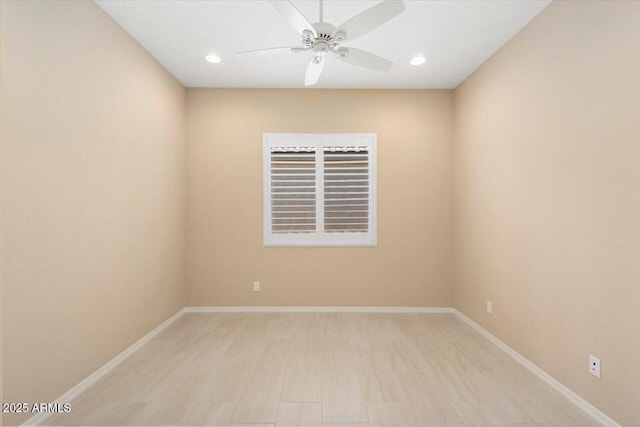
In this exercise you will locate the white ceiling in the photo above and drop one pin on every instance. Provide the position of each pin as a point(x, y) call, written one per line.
point(456, 37)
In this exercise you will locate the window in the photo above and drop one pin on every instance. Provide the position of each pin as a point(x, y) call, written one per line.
point(319, 189)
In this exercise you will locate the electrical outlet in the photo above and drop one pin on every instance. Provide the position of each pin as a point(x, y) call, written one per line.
point(489, 307)
point(594, 366)
point(256, 286)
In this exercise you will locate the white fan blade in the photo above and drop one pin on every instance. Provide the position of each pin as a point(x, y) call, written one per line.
point(314, 69)
point(293, 16)
point(272, 50)
point(370, 19)
point(364, 59)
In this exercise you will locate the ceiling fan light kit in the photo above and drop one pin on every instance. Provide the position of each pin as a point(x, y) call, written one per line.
point(323, 38)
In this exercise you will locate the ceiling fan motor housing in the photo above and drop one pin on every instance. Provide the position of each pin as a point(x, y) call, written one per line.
point(324, 31)
point(326, 38)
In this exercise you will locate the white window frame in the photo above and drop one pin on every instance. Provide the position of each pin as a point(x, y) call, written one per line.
point(319, 237)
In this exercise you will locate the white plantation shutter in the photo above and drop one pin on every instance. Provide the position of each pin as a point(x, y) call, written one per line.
point(319, 189)
point(346, 189)
point(293, 190)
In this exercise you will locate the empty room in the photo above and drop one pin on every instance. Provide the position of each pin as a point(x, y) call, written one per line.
point(320, 213)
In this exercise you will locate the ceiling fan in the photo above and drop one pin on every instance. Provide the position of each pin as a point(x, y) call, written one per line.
point(322, 37)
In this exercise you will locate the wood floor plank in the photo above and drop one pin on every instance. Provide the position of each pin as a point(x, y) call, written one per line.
point(342, 399)
point(208, 414)
point(380, 382)
point(308, 414)
point(390, 414)
point(259, 401)
point(230, 379)
point(302, 382)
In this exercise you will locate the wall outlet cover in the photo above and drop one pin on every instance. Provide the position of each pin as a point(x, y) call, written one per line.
point(594, 366)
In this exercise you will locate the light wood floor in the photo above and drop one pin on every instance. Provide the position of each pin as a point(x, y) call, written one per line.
point(321, 369)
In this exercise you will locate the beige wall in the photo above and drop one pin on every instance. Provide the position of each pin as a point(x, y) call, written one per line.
point(411, 264)
point(545, 219)
point(547, 198)
point(92, 195)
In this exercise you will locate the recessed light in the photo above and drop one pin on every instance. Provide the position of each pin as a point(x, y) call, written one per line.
point(418, 60)
point(214, 59)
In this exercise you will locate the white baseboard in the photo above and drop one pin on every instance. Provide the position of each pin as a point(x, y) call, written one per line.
point(101, 372)
point(585, 406)
point(318, 309)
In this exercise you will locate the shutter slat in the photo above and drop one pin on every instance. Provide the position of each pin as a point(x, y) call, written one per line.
point(349, 214)
point(293, 190)
point(346, 196)
point(296, 208)
point(294, 203)
point(301, 173)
